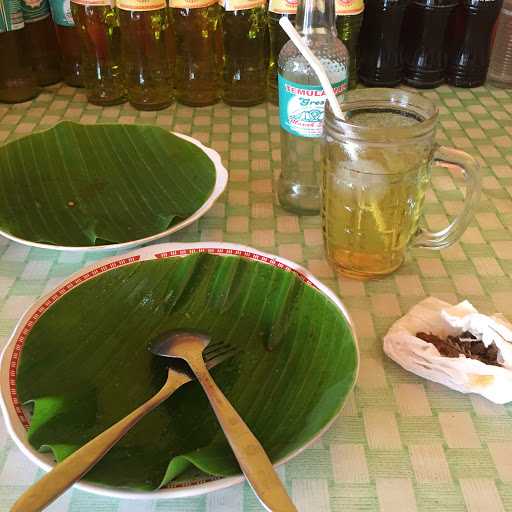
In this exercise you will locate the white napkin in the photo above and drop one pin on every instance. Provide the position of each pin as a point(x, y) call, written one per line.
point(462, 374)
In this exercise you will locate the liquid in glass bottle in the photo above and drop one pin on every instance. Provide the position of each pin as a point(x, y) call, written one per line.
point(349, 17)
point(423, 41)
point(198, 47)
point(145, 43)
point(17, 81)
point(245, 42)
point(44, 48)
point(380, 63)
point(301, 104)
point(278, 38)
point(100, 40)
point(471, 29)
point(68, 39)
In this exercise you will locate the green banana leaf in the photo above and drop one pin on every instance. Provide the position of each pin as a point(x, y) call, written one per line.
point(79, 185)
point(86, 364)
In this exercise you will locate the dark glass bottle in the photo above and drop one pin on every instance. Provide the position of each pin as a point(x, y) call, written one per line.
point(349, 17)
point(17, 81)
point(245, 43)
point(469, 45)
point(198, 61)
point(44, 48)
point(277, 39)
point(423, 38)
point(379, 43)
point(69, 41)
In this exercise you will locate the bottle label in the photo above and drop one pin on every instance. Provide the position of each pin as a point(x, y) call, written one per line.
point(104, 3)
point(11, 16)
point(61, 13)
point(349, 7)
point(240, 5)
point(301, 107)
point(283, 6)
point(35, 10)
point(191, 4)
point(141, 5)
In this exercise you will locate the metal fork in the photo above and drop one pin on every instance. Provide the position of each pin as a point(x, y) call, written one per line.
point(74, 467)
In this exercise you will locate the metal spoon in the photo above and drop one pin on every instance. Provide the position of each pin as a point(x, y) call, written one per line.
point(251, 457)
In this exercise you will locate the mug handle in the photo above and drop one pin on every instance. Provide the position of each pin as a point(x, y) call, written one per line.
point(449, 157)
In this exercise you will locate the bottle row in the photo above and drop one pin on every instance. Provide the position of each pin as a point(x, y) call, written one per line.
point(427, 42)
point(150, 52)
point(143, 51)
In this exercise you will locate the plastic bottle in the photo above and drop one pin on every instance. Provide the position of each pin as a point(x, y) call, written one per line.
point(100, 39)
point(301, 104)
point(145, 44)
point(277, 38)
point(44, 48)
point(198, 63)
point(17, 81)
point(379, 43)
point(500, 68)
point(469, 45)
point(69, 42)
point(349, 17)
point(245, 43)
point(423, 38)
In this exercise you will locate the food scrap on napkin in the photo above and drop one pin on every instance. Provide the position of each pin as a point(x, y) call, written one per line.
point(465, 373)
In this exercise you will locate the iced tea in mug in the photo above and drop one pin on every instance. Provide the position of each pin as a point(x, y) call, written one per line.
point(375, 172)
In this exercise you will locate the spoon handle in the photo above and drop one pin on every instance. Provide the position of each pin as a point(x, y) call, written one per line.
point(251, 456)
point(72, 468)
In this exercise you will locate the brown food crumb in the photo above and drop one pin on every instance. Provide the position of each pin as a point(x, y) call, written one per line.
point(466, 344)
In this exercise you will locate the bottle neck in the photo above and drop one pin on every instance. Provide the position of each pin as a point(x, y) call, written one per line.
point(315, 17)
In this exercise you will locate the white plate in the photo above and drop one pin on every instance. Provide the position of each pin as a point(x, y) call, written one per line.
point(221, 180)
point(15, 415)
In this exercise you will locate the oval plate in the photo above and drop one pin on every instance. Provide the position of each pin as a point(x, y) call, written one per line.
point(16, 417)
point(221, 179)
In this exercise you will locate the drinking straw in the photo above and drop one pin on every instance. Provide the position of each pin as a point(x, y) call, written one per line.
point(314, 63)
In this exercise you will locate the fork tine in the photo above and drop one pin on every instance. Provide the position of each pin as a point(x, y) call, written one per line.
point(219, 355)
point(216, 348)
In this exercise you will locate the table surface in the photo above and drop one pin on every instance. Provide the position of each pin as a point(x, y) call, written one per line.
point(401, 444)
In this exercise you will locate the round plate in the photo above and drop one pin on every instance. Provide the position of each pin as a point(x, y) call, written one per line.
point(16, 417)
point(221, 180)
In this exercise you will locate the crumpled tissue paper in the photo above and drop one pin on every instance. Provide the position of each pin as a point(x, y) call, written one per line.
point(462, 374)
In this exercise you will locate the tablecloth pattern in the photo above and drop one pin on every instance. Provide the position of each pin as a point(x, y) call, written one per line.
point(401, 444)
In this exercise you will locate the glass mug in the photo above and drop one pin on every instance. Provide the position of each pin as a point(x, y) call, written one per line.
point(375, 172)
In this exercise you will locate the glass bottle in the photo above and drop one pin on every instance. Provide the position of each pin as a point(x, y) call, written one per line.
point(500, 68)
point(301, 104)
point(68, 39)
point(44, 48)
point(422, 43)
point(469, 46)
point(198, 47)
point(100, 40)
point(145, 42)
point(349, 17)
point(278, 38)
point(245, 42)
point(17, 81)
point(379, 44)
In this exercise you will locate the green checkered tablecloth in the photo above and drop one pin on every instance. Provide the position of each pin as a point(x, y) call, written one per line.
point(401, 444)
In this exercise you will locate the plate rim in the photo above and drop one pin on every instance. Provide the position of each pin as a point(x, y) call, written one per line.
point(221, 181)
point(11, 417)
